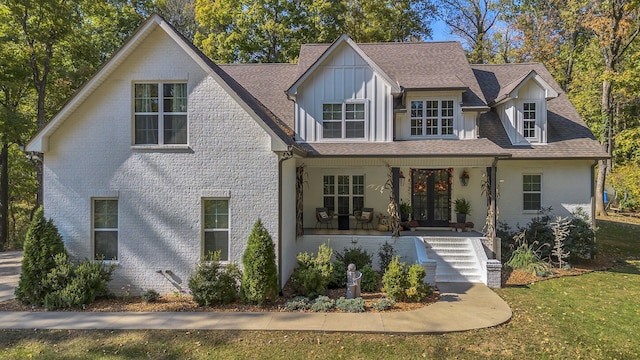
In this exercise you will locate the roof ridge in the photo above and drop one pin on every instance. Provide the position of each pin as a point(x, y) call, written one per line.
point(508, 64)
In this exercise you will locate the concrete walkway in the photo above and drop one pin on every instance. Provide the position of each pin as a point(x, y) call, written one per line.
point(461, 307)
point(10, 262)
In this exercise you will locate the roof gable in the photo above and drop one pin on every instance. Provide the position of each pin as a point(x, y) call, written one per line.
point(328, 53)
point(280, 134)
point(510, 90)
point(415, 65)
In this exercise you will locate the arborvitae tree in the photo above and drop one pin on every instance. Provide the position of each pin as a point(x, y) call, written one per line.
point(260, 276)
point(42, 244)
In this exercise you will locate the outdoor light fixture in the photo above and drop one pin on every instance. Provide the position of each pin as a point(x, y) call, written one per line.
point(464, 177)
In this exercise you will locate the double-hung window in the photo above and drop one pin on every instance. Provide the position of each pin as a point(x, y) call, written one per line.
point(529, 119)
point(344, 120)
point(105, 229)
point(532, 192)
point(432, 117)
point(160, 114)
point(343, 194)
point(216, 227)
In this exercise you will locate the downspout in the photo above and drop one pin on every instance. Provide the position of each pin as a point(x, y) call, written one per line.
point(593, 195)
point(282, 156)
point(497, 247)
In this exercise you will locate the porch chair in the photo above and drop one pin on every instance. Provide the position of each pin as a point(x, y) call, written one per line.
point(364, 217)
point(324, 216)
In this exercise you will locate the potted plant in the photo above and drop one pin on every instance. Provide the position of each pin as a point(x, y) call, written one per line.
point(462, 208)
point(413, 225)
point(405, 211)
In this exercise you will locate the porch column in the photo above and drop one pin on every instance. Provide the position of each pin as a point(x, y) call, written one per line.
point(395, 173)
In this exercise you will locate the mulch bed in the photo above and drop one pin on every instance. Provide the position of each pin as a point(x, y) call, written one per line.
point(184, 303)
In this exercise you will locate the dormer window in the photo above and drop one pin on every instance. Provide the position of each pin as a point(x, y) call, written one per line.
point(432, 117)
point(529, 118)
point(344, 120)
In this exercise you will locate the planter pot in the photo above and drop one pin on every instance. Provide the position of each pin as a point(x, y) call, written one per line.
point(461, 218)
point(413, 229)
point(459, 230)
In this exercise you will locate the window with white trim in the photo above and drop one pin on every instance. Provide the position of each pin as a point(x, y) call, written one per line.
point(343, 194)
point(105, 229)
point(532, 192)
point(160, 114)
point(529, 119)
point(215, 213)
point(344, 120)
point(432, 117)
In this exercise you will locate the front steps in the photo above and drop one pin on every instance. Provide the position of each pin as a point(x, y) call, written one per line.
point(456, 259)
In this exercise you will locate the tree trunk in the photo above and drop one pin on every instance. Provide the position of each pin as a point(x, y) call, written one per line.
point(603, 165)
point(4, 196)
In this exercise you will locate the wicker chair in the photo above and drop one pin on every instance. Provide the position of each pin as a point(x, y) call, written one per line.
point(364, 217)
point(324, 216)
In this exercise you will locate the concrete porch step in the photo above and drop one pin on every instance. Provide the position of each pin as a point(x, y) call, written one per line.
point(456, 260)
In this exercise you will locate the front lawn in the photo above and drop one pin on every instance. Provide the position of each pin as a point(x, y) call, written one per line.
point(592, 316)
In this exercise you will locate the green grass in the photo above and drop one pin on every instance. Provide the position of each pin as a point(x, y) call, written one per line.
point(592, 316)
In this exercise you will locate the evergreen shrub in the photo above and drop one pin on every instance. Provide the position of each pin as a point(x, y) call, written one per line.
point(370, 279)
point(355, 256)
point(313, 274)
point(42, 243)
point(260, 277)
point(214, 283)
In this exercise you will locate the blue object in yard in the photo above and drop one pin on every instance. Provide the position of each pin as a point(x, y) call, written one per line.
point(606, 197)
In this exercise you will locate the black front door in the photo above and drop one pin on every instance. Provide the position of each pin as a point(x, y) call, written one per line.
point(431, 196)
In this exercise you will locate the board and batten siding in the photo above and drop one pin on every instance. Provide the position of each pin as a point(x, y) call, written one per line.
point(510, 112)
point(344, 75)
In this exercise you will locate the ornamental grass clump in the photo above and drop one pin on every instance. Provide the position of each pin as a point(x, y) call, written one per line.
point(525, 257)
point(260, 277)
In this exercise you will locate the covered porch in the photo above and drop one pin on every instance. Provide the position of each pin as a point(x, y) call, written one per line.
point(333, 193)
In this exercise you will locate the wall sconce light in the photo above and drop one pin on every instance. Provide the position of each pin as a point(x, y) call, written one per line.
point(464, 177)
point(401, 177)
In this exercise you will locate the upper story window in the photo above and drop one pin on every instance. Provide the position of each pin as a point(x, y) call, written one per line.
point(343, 120)
point(160, 116)
point(529, 119)
point(432, 117)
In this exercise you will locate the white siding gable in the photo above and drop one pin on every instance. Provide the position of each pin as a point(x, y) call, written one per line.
point(528, 98)
point(464, 123)
point(344, 77)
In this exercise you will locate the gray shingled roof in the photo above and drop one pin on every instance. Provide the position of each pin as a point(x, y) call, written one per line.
point(568, 136)
point(415, 65)
point(268, 83)
point(408, 148)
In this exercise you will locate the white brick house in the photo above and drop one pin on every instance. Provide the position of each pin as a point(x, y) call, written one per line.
point(164, 155)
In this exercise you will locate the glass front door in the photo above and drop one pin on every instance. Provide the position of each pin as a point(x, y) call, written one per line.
point(431, 196)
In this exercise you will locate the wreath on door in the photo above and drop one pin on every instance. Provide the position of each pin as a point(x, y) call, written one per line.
point(441, 187)
point(420, 187)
